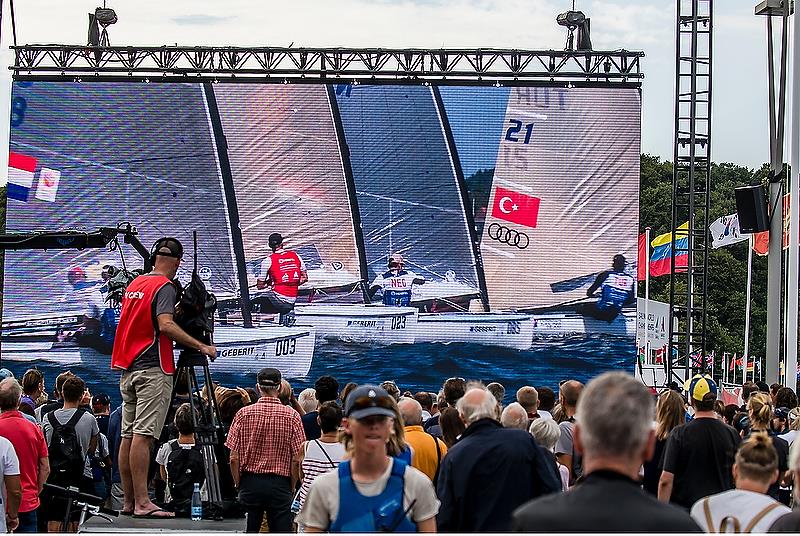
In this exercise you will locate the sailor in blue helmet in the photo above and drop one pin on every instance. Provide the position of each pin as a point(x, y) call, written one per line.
point(370, 492)
point(396, 283)
point(616, 290)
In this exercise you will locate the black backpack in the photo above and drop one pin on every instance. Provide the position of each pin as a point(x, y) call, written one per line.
point(185, 467)
point(66, 455)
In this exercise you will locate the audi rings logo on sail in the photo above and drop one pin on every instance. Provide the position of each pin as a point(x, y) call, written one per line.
point(508, 236)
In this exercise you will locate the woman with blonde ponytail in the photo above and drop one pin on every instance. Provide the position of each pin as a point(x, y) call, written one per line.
point(747, 508)
point(759, 409)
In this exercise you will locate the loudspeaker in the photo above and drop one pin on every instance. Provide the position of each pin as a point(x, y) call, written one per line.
point(751, 206)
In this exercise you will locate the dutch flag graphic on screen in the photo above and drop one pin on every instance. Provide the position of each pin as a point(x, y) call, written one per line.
point(20, 175)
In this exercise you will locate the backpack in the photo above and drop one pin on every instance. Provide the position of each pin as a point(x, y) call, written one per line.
point(66, 454)
point(185, 467)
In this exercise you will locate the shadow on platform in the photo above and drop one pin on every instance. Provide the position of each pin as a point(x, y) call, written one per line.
point(131, 524)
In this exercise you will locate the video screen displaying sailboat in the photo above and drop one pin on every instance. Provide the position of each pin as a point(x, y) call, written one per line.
point(509, 202)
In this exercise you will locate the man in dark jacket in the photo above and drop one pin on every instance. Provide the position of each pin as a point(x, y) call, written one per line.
point(614, 431)
point(490, 471)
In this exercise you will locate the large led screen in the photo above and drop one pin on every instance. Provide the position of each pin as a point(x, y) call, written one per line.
point(511, 204)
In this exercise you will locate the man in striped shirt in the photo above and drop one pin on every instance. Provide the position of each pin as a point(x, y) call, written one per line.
point(264, 438)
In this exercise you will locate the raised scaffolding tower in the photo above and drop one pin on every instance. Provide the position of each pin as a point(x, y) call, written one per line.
point(691, 183)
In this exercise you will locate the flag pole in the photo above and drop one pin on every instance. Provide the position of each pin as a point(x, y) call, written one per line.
point(790, 360)
point(747, 308)
point(647, 296)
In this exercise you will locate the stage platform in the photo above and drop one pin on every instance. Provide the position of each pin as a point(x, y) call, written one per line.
point(131, 524)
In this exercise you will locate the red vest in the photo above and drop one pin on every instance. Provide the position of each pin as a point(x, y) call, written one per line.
point(285, 273)
point(138, 326)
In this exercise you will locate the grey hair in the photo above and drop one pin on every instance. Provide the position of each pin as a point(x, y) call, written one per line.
point(410, 410)
point(514, 416)
point(10, 391)
point(615, 415)
point(308, 399)
point(546, 432)
point(471, 411)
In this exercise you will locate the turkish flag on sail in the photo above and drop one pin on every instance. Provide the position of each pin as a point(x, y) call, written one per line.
point(515, 207)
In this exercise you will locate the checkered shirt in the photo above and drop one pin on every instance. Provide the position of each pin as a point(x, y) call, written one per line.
point(267, 435)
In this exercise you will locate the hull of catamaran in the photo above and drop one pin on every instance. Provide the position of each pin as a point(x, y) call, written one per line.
point(564, 324)
point(247, 350)
point(360, 323)
point(511, 330)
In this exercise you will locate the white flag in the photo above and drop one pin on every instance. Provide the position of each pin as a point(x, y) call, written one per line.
point(725, 231)
point(48, 184)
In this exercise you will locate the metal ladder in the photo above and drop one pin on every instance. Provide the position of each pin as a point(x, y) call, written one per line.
point(691, 181)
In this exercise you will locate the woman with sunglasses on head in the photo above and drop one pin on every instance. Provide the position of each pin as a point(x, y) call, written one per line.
point(370, 492)
point(396, 283)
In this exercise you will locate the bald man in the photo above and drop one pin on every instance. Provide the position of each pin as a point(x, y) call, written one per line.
point(428, 451)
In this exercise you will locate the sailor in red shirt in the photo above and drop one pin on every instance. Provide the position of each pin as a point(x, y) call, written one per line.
point(282, 273)
point(143, 350)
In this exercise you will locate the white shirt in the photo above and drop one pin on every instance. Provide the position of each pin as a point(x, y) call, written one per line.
point(740, 505)
point(9, 465)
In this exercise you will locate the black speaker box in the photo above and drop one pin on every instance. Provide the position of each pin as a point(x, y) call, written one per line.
point(751, 206)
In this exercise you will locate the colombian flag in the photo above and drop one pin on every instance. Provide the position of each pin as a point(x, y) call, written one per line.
point(660, 261)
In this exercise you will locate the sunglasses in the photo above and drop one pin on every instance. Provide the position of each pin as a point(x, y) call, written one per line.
point(364, 402)
point(456, 380)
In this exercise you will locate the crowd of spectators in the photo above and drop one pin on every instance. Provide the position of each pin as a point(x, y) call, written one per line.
point(471, 457)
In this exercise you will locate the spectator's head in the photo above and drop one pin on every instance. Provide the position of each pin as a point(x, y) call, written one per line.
point(569, 394)
point(614, 421)
point(285, 392)
point(514, 416)
point(748, 388)
point(670, 412)
point(58, 387)
point(33, 383)
point(785, 398)
point(411, 411)
point(230, 401)
point(780, 420)
point(10, 392)
point(451, 424)
point(763, 387)
point(371, 408)
point(308, 400)
point(329, 417)
point(528, 398)
point(73, 389)
point(453, 389)
point(719, 409)
point(702, 392)
point(498, 391)
point(773, 390)
point(391, 388)
point(101, 404)
point(756, 463)
point(759, 409)
point(546, 432)
point(346, 391)
point(269, 381)
point(730, 412)
point(425, 400)
point(547, 398)
point(477, 403)
point(183, 420)
point(327, 388)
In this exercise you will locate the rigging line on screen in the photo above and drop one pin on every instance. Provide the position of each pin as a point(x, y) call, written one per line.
point(412, 203)
point(193, 187)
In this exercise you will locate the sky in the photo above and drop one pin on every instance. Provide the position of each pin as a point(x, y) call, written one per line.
point(739, 112)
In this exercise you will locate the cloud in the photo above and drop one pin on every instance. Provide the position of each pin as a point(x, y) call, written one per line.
point(199, 19)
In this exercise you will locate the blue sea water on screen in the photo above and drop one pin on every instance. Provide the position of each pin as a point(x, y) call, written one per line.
point(413, 367)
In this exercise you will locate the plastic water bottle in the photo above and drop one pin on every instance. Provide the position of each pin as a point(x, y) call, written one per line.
point(197, 503)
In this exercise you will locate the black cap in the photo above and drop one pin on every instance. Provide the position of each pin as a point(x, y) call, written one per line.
point(101, 400)
point(269, 377)
point(168, 247)
point(782, 413)
point(275, 240)
point(369, 400)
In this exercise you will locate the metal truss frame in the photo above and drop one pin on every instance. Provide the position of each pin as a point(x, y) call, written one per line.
point(326, 65)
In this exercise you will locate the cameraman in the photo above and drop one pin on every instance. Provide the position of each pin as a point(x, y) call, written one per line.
point(143, 350)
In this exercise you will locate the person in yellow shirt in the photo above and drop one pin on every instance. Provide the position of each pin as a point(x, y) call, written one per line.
point(427, 451)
